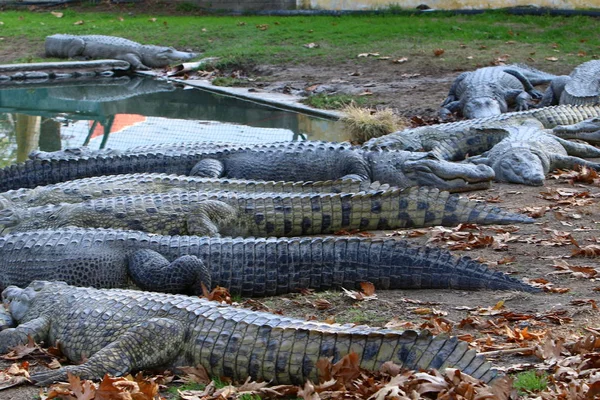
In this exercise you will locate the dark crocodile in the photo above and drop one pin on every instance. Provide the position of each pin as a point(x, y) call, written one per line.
point(296, 161)
point(489, 91)
point(262, 214)
point(119, 331)
point(111, 47)
point(580, 87)
point(458, 138)
point(246, 266)
point(84, 189)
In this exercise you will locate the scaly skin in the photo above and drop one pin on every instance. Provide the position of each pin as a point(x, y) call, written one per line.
point(128, 184)
point(248, 267)
point(112, 47)
point(117, 331)
point(262, 214)
point(489, 91)
point(428, 137)
point(581, 87)
point(296, 161)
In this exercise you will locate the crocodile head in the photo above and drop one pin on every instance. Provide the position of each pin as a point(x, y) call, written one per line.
point(403, 169)
point(19, 301)
point(481, 107)
point(522, 166)
point(159, 56)
point(17, 219)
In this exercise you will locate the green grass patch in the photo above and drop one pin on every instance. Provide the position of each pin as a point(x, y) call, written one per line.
point(227, 81)
point(467, 40)
point(334, 101)
point(530, 381)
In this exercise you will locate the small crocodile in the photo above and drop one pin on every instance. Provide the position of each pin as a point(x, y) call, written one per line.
point(580, 87)
point(296, 161)
point(246, 266)
point(127, 184)
point(88, 47)
point(453, 134)
point(262, 214)
point(489, 91)
point(118, 331)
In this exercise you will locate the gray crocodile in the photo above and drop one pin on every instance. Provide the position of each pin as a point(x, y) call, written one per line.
point(119, 331)
point(580, 87)
point(525, 152)
point(79, 190)
point(262, 214)
point(453, 134)
point(246, 266)
point(140, 56)
point(295, 161)
point(489, 91)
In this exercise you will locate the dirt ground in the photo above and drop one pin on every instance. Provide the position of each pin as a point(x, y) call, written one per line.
point(532, 251)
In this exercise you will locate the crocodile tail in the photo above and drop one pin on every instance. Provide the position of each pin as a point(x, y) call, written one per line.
point(430, 207)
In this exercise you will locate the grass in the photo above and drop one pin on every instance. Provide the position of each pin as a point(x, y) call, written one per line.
point(530, 381)
point(334, 101)
point(365, 123)
point(279, 40)
point(227, 81)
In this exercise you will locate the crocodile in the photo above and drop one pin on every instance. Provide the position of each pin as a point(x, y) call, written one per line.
point(139, 56)
point(526, 153)
point(580, 87)
point(427, 138)
point(489, 91)
point(84, 189)
point(250, 267)
point(294, 161)
point(262, 214)
point(117, 331)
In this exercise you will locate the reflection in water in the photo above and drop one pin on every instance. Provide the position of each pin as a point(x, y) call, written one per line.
point(125, 112)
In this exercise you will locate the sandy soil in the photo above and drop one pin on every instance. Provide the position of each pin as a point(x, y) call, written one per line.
point(416, 89)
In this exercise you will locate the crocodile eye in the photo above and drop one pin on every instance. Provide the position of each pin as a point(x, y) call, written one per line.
point(52, 217)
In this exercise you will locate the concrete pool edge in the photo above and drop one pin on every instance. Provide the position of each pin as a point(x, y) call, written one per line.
point(279, 100)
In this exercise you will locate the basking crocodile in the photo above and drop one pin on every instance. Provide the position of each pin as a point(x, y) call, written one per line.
point(295, 161)
point(118, 331)
point(428, 138)
point(524, 152)
point(246, 266)
point(489, 91)
point(127, 184)
point(580, 87)
point(262, 214)
point(111, 47)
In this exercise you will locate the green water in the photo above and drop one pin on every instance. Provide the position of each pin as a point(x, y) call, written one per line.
point(125, 112)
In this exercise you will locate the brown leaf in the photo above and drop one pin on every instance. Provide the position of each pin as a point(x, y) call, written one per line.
point(85, 391)
point(438, 52)
point(196, 374)
point(80, 22)
point(368, 288)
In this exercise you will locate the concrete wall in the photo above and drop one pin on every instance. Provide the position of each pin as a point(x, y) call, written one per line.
point(243, 5)
point(442, 4)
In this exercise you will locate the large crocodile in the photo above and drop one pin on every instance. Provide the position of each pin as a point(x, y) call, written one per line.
point(524, 152)
point(246, 266)
point(262, 214)
point(489, 91)
point(117, 331)
point(453, 134)
point(580, 87)
point(295, 161)
point(79, 190)
point(111, 47)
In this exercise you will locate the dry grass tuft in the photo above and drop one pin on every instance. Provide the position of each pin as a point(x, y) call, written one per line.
point(365, 123)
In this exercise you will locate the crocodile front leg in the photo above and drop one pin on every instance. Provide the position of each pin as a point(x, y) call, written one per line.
point(570, 162)
point(211, 216)
point(36, 328)
point(579, 149)
point(151, 271)
point(135, 61)
point(208, 168)
point(150, 344)
point(520, 98)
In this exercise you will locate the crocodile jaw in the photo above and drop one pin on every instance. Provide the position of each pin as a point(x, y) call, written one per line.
point(17, 301)
point(447, 175)
point(523, 167)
